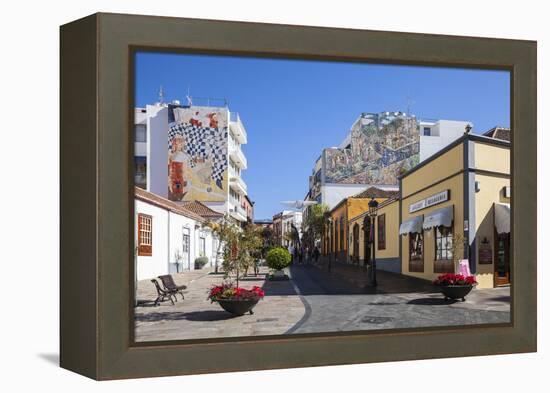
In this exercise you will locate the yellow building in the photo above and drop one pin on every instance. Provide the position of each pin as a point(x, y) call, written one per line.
point(386, 237)
point(456, 205)
point(336, 239)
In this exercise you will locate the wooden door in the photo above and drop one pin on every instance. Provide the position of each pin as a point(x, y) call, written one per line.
point(502, 259)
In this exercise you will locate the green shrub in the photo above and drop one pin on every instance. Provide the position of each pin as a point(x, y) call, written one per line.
point(200, 262)
point(278, 258)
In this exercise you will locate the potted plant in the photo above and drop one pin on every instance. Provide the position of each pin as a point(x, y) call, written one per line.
point(239, 249)
point(200, 262)
point(234, 299)
point(277, 259)
point(455, 286)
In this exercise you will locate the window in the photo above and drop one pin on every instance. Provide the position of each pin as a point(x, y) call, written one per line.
point(416, 252)
point(443, 250)
point(427, 131)
point(141, 133)
point(145, 235)
point(202, 247)
point(382, 232)
point(140, 171)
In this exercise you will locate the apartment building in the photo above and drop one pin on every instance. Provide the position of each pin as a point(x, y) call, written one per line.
point(192, 153)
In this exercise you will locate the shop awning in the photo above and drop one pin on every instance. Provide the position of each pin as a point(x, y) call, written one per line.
point(440, 217)
point(502, 217)
point(412, 225)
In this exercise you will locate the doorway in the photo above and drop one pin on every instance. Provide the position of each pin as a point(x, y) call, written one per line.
point(186, 259)
point(502, 259)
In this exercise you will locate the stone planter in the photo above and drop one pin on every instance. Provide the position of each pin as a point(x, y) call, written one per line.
point(237, 306)
point(455, 291)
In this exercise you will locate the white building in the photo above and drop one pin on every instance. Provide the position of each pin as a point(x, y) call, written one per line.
point(283, 224)
point(169, 237)
point(437, 134)
point(188, 153)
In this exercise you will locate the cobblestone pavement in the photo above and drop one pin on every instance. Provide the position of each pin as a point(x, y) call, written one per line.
point(195, 317)
point(333, 304)
point(313, 301)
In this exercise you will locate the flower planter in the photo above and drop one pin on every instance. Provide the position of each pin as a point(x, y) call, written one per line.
point(455, 291)
point(238, 306)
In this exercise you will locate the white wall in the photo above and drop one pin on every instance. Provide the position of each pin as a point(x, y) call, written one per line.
point(156, 264)
point(157, 150)
point(177, 225)
point(443, 133)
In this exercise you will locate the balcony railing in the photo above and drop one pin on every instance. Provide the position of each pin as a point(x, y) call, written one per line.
point(237, 127)
point(238, 157)
point(238, 184)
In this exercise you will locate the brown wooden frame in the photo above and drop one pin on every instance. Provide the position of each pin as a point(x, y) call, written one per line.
point(96, 262)
point(144, 249)
point(442, 265)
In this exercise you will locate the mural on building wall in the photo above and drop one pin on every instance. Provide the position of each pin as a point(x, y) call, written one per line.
point(197, 153)
point(383, 145)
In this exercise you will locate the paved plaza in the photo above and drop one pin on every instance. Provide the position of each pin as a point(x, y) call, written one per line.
point(313, 300)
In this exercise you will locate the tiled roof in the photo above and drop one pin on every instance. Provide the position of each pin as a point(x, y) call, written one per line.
point(375, 192)
point(499, 133)
point(202, 210)
point(164, 203)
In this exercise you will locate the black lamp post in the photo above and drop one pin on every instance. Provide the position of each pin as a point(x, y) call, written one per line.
point(373, 207)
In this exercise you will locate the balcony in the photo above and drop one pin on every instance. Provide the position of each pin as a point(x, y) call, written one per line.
point(238, 184)
point(237, 212)
point(237, 156)
point(237, 127)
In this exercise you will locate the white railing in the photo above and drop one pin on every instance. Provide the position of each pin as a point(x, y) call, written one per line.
point(237, 127)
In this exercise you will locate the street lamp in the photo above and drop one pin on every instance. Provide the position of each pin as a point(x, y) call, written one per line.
point(373, 207)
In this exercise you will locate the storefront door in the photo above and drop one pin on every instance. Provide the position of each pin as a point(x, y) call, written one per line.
point(502, 259)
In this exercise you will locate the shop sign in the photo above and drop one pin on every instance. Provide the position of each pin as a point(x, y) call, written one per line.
point(485, 256)
point(432, 200)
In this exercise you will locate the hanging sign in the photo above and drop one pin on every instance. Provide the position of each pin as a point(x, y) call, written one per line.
point(432, 200)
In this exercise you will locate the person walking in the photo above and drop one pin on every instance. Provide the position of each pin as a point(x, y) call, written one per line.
point(316, 254)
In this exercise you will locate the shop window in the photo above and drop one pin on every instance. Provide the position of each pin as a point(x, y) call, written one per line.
point(145, 235)
point(443, 250)
point(416, 252)
point(381, 232)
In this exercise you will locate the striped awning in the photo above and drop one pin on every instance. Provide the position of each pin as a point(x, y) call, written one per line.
point(412, 225)
point(439, 218)
point(502, 217)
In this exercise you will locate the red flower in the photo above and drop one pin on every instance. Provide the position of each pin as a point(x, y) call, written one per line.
point(455, 279)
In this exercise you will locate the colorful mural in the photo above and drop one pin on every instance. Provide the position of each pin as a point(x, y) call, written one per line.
point(382, 146)
point(197, 153)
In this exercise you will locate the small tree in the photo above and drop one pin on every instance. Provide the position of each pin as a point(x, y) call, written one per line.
point(222, 230)
point(241, 249)
point(316, 221)
point(278, 258)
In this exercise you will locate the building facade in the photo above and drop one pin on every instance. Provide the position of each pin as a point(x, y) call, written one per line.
point(188, 153)
point(285, 224)
point(336, 239)
point(168, 237)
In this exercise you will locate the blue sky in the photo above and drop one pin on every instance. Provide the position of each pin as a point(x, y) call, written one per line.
point(292, 109)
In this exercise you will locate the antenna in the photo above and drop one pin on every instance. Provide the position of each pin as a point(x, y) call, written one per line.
point(161, 95)
point(188, 96)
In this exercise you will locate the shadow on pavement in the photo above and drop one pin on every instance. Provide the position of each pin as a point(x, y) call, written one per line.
point(208, 315)
point(504, 299)
point(428, 301)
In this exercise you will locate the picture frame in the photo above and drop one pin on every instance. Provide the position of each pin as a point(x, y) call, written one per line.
point(96, 195)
